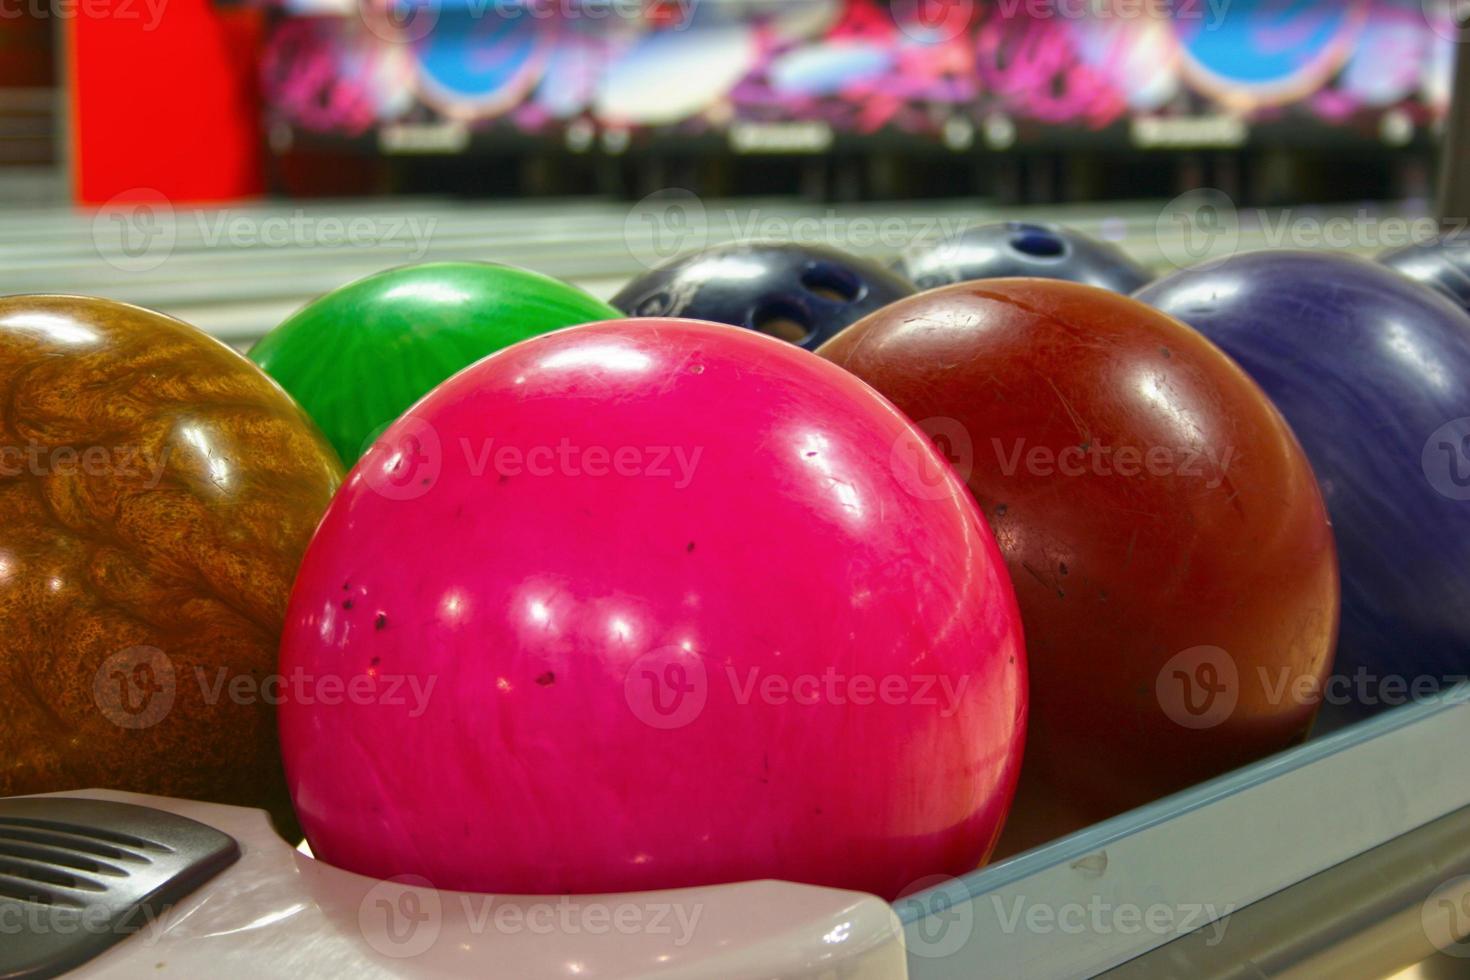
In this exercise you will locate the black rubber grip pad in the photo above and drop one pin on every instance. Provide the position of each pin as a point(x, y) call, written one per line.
point(78, 876)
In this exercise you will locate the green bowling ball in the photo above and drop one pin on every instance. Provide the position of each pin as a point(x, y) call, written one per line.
point(358, 357)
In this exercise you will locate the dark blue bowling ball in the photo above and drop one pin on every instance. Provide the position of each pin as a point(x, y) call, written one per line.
point(1442, 263)
point(1012, 248)
point(1372, 372)
point(801, 293)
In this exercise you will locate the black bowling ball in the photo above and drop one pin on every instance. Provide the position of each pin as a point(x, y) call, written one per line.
point(804, 294)
point(1018, 249)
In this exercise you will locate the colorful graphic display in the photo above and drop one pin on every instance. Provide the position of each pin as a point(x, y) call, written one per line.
point(855, 67)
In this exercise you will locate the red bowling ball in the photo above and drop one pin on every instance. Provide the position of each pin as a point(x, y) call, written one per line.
point(649, 604)
point(1167, 540)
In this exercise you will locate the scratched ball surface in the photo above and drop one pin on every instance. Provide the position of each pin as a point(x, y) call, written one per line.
point(1166, 537)
point(658, 603)
point(158, 493)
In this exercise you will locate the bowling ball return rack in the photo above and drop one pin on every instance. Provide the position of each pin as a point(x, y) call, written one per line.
point(1345, 857)
point(1348, 856)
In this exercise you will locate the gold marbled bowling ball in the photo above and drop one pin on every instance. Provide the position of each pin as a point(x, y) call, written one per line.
point(156, 494)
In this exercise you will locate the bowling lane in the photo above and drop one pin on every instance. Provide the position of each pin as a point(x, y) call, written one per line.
point(236, 272)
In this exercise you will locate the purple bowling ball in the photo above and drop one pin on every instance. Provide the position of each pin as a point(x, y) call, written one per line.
point(1373, 374)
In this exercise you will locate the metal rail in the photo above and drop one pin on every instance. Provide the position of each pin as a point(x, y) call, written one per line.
point(1368, 918)
point(1189, 864)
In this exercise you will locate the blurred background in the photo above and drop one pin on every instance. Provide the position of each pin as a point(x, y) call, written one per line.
point(227, 161)
point(213, 158)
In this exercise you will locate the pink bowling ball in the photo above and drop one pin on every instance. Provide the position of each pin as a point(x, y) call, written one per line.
point(648, 604)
